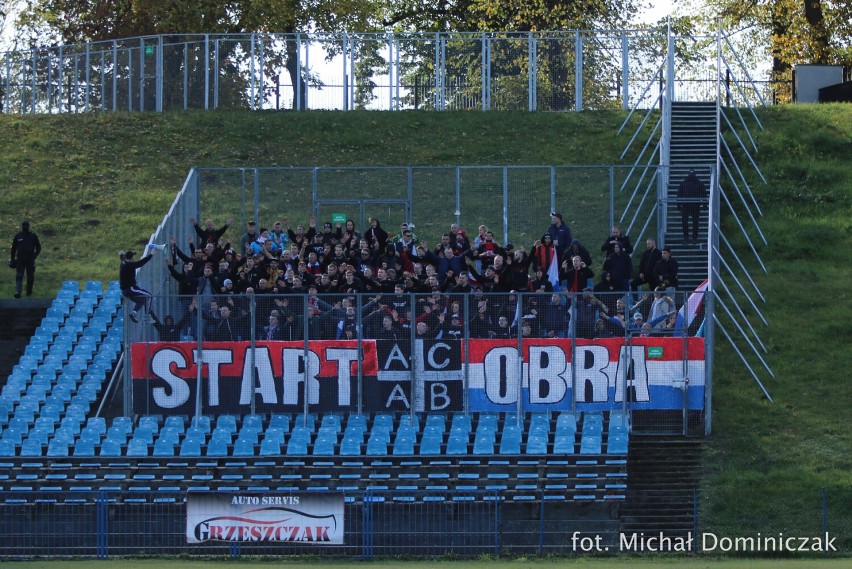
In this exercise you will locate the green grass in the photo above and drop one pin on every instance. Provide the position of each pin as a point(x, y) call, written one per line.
point(94, 184)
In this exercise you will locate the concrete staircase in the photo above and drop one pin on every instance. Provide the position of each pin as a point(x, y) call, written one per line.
point(663, 476)
point(692, 146)
point(20, 318)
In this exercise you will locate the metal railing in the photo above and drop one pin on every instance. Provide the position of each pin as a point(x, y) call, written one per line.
point(534, 71)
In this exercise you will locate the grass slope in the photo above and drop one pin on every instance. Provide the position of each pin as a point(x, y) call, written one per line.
point(93, 184)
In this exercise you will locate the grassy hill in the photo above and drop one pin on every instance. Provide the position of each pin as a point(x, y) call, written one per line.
point(94, 184)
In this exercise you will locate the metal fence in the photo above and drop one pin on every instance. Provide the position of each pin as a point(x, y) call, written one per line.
point(114, 524)
point(535, 71)
point(514, 202)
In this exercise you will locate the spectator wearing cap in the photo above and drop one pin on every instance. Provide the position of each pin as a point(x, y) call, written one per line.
point(560, 232)
point(616, 237)
point(127, 282)
point(459, 239)
point(665, 271)
point(330, 234)
point(406, 235)
point(636, 324)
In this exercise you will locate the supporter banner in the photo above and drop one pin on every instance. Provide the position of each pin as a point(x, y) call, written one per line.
point(548, 374)
point(247, 517)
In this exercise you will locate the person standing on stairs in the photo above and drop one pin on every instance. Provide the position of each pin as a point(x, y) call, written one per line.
point(691, 196)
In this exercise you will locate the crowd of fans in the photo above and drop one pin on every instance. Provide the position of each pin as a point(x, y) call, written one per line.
point(344, 283)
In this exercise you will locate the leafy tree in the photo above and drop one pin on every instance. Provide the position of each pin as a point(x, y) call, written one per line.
point(78, 21)
point(798, 31)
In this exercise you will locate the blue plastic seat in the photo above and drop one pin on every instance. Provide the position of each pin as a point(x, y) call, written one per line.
point(457, 444)
point(403, 445)
point(244, 447)
point(297, 447)
point(217, 447)
point(590, 444)
point(201, 422)
point(163, 447)
point(110, 448)
point(377, 446)
point(137, 447)
point(324, 446)
point(190, 448)
point(57, 448)
point(84, 447)
point(279, 420)
point(95, 286)
point(228, 422)
point(431, 444)
point(270, 447)
point(616, 444)
point(483, 445)
point(350, 446)
point(72, 286)
point(563, 444)
point(536, 444)
point(31, 448)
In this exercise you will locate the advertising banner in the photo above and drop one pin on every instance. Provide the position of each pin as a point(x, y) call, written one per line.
point(252, 517)
point(547, 374)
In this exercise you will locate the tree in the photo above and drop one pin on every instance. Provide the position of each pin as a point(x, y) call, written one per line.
point(79, 21)
point(798, 31)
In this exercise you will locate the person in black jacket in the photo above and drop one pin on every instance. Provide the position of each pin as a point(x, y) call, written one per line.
point(645, 274)
point(691, 196)
point(127, 282)
point(25, 249)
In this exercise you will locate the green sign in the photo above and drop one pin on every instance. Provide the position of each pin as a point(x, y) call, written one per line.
point(655, 351)
point(338, 218)
point(149, 50)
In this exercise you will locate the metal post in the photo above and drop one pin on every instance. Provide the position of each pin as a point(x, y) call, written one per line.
point(88, 74)
point(531, 72)
point(34, 86)
point(360, 340)
point(160, 74)
point(261, 89)
point(484, 62)
point(252, 348)
point(345, 75)
point(306, 374)
point(458, 196)
point(251, 74)
point(578, 71)
point(114, 77)
point(519, 313)
point(199, 353)
point(215, 75)
point(505, 205)
point(141, 74)
point(625, 71)
point(185, 76)
point(207, 71)
point(612, 197)
point(297, 88)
